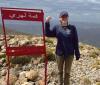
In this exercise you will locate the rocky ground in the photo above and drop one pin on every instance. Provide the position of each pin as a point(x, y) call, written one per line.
point(30, 70)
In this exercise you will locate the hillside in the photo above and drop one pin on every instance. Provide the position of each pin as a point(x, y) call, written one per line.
point(27, 70)
point(88, 32)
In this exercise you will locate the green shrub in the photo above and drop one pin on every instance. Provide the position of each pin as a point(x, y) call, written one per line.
point(86, 81)
point(94, 54)
point(3, 56)
point(81, 47)
point(49, 41)
point(98, 83)
point(20, 60)
point(96, 64)
point(50, 57)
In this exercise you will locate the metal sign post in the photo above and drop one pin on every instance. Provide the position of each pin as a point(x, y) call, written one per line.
point(23, 15)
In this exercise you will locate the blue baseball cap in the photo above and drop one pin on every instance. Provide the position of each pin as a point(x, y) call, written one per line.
point(63, 13)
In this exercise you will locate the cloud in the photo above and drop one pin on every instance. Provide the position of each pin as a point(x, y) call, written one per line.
point(94, 1)
point(86, 14)
point(81, 1)
point(77, 8)
point(3, 4)
point(87, 1)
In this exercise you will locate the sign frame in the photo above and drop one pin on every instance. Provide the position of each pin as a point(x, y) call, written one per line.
point(23, 14)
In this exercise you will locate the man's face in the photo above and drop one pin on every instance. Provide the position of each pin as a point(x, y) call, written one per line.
point(64, 20)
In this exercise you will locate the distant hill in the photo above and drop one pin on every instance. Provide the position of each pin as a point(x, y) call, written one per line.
point(10, 31)
point(88, 32)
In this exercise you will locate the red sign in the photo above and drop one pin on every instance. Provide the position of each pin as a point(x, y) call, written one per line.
point(25, 15)
point(29, 50)
point(30, 15)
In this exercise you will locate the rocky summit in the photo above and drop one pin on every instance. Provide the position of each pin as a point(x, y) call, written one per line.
point(29, 70)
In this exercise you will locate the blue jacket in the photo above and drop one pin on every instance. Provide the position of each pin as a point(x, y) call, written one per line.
point(67, 40)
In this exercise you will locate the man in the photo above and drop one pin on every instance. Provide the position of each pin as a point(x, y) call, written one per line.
point(67, 45)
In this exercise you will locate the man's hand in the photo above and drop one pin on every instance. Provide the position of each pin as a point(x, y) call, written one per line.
point(78, 57)
point(48, 18)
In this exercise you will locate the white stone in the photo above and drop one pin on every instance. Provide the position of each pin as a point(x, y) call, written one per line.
point(27, 83)
point(32, 75)
point(13, 42)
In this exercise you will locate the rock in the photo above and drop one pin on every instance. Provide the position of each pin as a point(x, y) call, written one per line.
point(12, 79)
point(11, 36)
point(52, 83)
point(25, 68)
point(97, 83)
point(1, 38)
point(39, 44)
point(2, 47)
point(22, 78)
point(22, 74)
point(27, 83)
point(3, 50)
point(3, 60)
point(36, 62)
point(24, 42)
point(2, 81)
point(32, 75)
point(8, 38)
point(41, 82)
point(14, 72)
point(1, 54)
point(98, 79)
point(85, 81)
point(17, 82)
point(3, 72)
point(17, 67)
point(13, 42)
point(1, 43)
point(0, 62)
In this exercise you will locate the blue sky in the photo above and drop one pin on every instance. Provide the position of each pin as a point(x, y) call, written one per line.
point(79, 10)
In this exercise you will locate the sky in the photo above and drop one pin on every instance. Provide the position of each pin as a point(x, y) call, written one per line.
point(79, 10)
